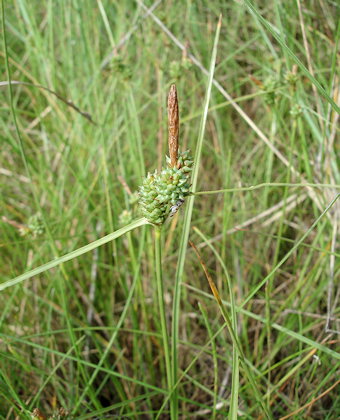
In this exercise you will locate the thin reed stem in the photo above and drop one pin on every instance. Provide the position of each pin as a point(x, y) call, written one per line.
point(267, 184)
point(161, 305)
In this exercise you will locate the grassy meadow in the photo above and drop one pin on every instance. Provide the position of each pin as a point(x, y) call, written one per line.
point(230, 310)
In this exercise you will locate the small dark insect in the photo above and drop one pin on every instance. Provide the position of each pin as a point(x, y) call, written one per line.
point(174, 209)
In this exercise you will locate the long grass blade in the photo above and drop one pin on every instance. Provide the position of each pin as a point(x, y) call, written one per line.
point(235, 359)
point(186, 225)
point(74, 254)
point(236, 344)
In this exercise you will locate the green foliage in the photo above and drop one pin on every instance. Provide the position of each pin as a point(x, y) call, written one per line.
point(80, 326)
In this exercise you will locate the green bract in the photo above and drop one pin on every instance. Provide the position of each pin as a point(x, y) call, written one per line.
point(162, 190)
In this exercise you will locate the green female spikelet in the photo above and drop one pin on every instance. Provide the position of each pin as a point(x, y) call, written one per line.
point(161, 191)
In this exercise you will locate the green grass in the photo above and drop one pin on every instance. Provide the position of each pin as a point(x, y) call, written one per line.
point(82, 325)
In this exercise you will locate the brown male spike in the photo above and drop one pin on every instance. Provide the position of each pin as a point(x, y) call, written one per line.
point(173, 125)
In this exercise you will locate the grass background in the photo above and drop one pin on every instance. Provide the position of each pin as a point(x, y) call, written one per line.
point(117, 65)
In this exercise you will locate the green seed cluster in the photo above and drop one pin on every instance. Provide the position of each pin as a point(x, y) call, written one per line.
point(164, 189)
point(271, 85)
point(34, 227)
point(120, 68)
point(178, 68)
point(291, 78)
point(125, 217)
point(295, 111)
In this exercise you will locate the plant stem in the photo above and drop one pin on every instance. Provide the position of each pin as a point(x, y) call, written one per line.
point(265, 185)
point(162, 314)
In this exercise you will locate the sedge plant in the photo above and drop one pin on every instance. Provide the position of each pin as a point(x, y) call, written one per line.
point(160, 196)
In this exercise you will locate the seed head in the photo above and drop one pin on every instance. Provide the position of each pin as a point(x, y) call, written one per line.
point(163, 190)
point(173, 125)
